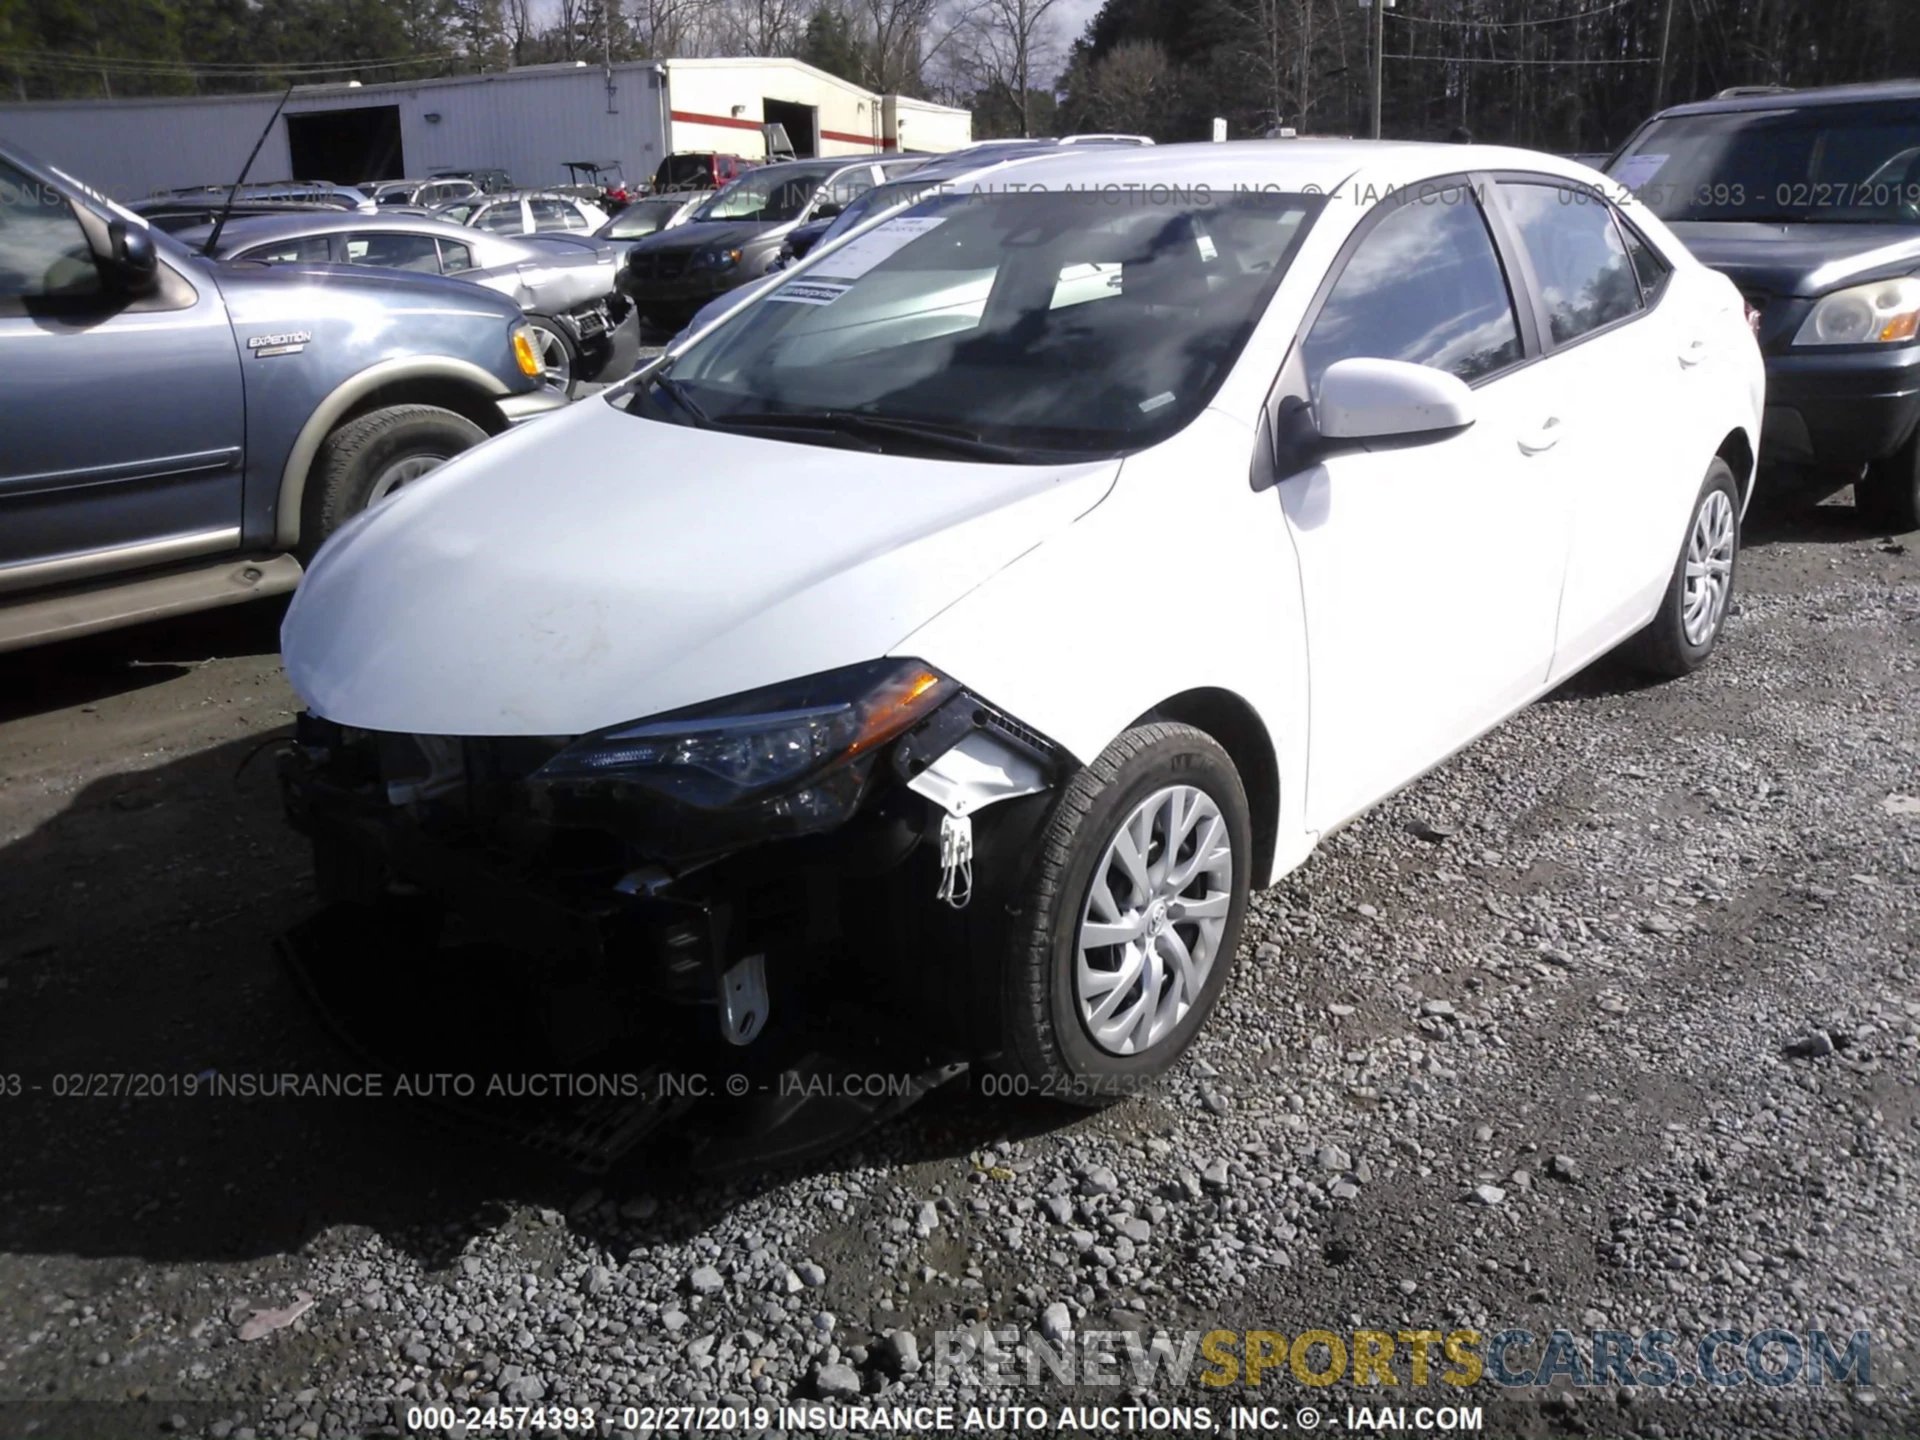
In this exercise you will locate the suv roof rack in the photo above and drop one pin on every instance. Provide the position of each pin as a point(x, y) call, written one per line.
point(1733, 92)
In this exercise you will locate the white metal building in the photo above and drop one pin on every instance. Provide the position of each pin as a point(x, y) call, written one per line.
point(528, 122)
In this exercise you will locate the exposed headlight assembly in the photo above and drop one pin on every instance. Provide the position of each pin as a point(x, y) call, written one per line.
point(784, 760)
point(1883, 312)
point(715, 259)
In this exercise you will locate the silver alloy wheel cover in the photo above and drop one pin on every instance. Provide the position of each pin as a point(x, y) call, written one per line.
point(400, 472)
point(1709, 576)
point(556, 366)
point(1154, 916)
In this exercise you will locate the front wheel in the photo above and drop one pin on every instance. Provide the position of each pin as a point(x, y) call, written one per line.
point(1127, 931)
point(1683, 631)
point(373, 455)
point(559, 355)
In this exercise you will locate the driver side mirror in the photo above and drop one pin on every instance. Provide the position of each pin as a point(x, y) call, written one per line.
point(133, 267)
point(1361, 404)
point(826, 210)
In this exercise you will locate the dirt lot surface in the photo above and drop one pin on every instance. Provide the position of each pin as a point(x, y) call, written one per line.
point(1611, 1023)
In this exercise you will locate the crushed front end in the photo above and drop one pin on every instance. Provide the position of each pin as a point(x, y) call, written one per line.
point(765, 870)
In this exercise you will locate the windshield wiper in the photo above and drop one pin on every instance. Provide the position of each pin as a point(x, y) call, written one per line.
point(952, 439)
point(677, 392)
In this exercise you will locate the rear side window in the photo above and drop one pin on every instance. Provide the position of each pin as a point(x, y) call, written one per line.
point(549, 214)
point(1649, 266)
point(504, 219)
point(308, 248)
point(455, 257)
point(1424, 286)
point(1579, 261)
point(394, 252)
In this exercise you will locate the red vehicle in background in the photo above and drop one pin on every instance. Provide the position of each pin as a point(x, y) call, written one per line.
point(699, 170)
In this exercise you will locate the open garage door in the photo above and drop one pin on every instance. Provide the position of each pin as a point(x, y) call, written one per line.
point(802, 123)
point(347, 147)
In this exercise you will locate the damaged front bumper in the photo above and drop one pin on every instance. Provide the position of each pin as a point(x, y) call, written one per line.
point(691, 907)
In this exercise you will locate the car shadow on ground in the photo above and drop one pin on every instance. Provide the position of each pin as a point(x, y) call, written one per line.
point(122, 662)
point(1834, 521)
point(137, 966)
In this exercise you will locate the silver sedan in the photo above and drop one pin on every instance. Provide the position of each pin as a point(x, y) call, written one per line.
point(585, 328)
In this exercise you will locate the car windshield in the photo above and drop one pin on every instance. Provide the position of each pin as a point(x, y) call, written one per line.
point(876, 201)
point(641, 219)
point(1857, 163)
point(1038, 324)
point(773, 196)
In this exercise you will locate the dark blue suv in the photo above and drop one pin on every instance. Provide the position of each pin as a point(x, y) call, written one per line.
point(1810, 201)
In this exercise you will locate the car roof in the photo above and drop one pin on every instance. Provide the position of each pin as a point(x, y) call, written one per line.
point(1799, 99)
point(544, 193)
point(264, 229)
point(1278, 165)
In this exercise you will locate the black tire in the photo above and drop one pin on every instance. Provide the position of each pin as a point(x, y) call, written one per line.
point(568, 345)
point(1045, 1037)
point(1663, 648)
point(353, 458)
point(1888, 496)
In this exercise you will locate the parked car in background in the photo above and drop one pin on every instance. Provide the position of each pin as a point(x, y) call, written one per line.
point(651, 214)
point(174, 214)
point(178, 434)
point(582, 330)
point(698, 170)
point(736, 235)
point(974, 165)
point(424, 193)
point(526, 212)
point(176, 210)
point(1810, 201)
point(491, 181)
point(1350, 482)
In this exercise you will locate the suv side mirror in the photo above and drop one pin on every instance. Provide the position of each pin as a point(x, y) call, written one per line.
point(826, 210)
point(1361, 404)
point(133, 267)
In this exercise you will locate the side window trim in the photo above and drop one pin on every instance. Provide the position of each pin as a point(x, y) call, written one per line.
point(1534, 301)
point(1471, 185)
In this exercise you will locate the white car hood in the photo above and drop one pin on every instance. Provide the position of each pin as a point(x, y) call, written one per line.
point(596, 567)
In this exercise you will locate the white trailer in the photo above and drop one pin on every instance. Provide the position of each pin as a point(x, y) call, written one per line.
point(528, 121)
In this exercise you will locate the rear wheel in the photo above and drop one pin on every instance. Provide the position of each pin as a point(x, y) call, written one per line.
point(1888, 496)
point(1130, 922)
point(370, 457)
point(1682, 633)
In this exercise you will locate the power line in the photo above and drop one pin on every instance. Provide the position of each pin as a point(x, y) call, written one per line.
point(130, 65)
point(1510, 24)
point(1488, 60)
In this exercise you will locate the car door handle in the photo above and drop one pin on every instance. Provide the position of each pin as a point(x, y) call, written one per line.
point(1693, 352)
point(1543, 439)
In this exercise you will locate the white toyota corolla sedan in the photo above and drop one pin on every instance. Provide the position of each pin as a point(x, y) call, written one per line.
point(962, 628)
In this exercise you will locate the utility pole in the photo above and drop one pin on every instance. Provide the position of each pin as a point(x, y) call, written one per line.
point(1379, 8)
point(1660, 85)
point(606, 49)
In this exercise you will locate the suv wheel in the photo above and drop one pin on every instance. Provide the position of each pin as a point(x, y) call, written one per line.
point(1889, 494)
point(368, 458)
point(1130, 922)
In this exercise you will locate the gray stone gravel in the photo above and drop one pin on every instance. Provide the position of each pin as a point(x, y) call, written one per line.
point(1611, 1022)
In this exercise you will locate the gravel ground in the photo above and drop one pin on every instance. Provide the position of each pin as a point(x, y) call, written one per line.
point(1612, 1022)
